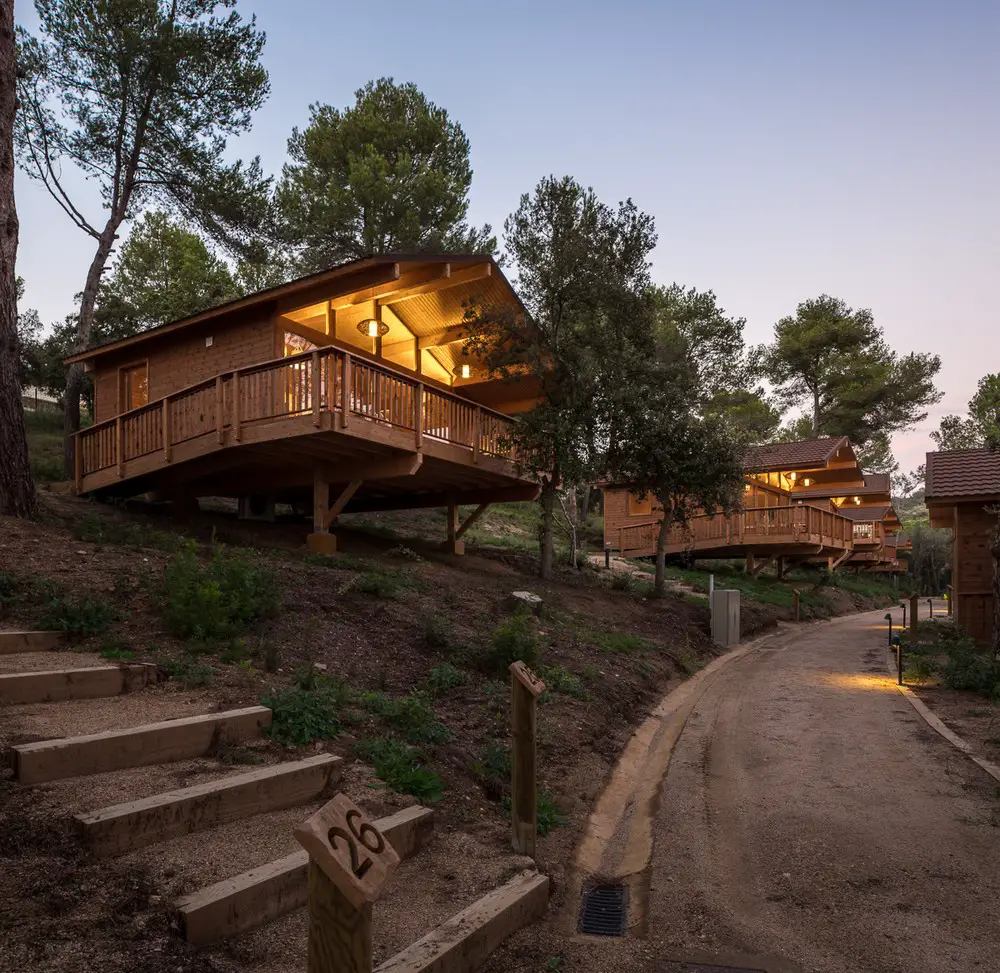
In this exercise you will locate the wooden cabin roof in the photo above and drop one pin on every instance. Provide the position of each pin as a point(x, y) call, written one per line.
point(411, 284)
point(865, 514)
point(805, 454)
point(972, 474)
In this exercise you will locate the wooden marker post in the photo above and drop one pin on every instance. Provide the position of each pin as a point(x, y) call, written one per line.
point(349, 864)
point(525, 688)
point(797, 605)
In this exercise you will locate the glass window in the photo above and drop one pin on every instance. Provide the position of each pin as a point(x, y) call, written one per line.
point(135, 387)
point(639, 506)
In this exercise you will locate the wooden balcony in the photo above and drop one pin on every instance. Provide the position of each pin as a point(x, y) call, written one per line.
point(763, 531)
point(868, 533)
point(269, 427)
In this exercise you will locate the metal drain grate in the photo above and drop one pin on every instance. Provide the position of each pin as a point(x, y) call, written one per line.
point(605, 910)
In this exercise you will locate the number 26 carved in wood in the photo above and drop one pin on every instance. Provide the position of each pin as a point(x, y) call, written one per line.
point(349, 849)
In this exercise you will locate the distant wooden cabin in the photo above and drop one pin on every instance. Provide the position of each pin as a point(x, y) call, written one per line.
point(348, 390)
point(802, 501)
point(961, 487)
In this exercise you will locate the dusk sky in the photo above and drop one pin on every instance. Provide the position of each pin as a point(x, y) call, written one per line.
point(786, 149)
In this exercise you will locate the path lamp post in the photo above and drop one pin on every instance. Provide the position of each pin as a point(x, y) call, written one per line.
point(930, 608)
point(607, 556)
point(888, 618)
point(902, 605)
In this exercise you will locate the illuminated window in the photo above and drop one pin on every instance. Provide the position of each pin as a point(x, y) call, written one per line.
point(296, 344)
point(135, 387)
point(639, 506)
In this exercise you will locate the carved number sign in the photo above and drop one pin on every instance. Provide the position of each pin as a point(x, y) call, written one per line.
point(349, 850)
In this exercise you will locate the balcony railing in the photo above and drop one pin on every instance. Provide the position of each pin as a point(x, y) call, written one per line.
point(752, 526)
point(328, 380)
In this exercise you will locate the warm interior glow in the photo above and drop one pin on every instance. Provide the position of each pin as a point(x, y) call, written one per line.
point(807, 482)
point(857, 499)
point(792, 476)
point(373, 329)
point(466, 371)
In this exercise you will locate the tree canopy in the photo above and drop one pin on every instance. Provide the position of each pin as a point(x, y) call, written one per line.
point(140, 96)
point(982, 424)
point(389, 173)
point(836, 360)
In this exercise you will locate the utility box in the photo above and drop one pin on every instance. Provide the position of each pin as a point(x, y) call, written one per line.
point(726, 617)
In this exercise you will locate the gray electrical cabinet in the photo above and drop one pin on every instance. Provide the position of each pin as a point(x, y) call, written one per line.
point(726, 617)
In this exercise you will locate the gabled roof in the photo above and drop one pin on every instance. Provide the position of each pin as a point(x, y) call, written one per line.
point(806, 454)
point(355, 275)
point(877, 482)
point(839, 490)
point(973, 473)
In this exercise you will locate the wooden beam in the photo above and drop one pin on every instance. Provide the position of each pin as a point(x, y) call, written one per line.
point(464, 942)
point(13, 643)
point(120, 828)
point(466, 275)
point(262, 894)
point(471, 519)
point(58, 685)
point(410, 501)
point(317, 293)
point(345, 495)
point(437, 274)
point(139, 746)
point(446, 337)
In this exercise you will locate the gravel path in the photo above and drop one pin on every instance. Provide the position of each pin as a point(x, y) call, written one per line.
point(808, 813)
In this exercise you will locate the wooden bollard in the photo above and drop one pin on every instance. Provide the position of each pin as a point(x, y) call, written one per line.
point(349, 864)
point(914, 609)
point(797, 605)
point(525, 688)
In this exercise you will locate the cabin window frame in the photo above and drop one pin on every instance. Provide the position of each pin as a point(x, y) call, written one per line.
point(124, 405)
point(639, 508)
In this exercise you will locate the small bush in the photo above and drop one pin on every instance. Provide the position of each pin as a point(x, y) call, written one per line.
point(492, 766)
point(407, 553)
point(272, 657)
point(560, 680)
point(299, 716)
point(972, 671)
point(620, 643)
point(622, 581)
point(402, 768)
point(9, 588)
point(189, 674)
point(380, 584)
point(437, 632)
point(219, 599)
point(116, 647)
point(547, 813)
point(444, 677)
point(411, 715)
point(83, 616)
point(513, 640)
point(919, 668)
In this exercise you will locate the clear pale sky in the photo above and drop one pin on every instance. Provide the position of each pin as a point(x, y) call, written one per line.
point(786, 147)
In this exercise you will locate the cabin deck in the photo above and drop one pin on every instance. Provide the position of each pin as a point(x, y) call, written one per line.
point(799, 530)
point(272, 427)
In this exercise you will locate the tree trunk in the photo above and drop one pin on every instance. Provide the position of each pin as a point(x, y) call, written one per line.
point(574, 528)
point(660, 581)
point(546, 541)
point(84, 330)
point(17, 490)
point(816, 412)
point(585, 504)
point(996, 589)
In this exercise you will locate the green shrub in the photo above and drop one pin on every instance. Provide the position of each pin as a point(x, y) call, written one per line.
point(124, 533)
point(547, 813)
point(411, 715)
point(402, 768)
point(444, 677)
point(620, 643)
point(10, 588)
point(381, 583)
point(83, 616)
point(406, 553)
point(218, 599)
point(622, 581)
point(492, 766)
point(512, 641)
point(972, 671)
point(189, 674)
point(299, 716)
point(919, 668)
point(116, 647)
point(560, 680)
point(437, 632)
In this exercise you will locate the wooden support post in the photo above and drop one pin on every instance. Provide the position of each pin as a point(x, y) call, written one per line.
point(471, 519)
point(168, 432)
point(120, 445)
point(914, 608)
point(796, 601)
point(525, 688)
point(78, 462)
point(317, 390)
point(781, 569)
point(453, 545)
point(418, 418)
point(321, 541)
point(237, 409)
point(477, 434)
point(346, 411)
point(220, 409)
point(951, 601)
point(349, 864)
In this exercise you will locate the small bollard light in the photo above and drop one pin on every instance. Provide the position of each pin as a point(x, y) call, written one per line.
point(607, 555)
point(888, 618)
point(930, 608)
point(902, 605)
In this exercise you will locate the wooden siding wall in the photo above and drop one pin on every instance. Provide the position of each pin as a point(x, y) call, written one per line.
point(183, 359)
point(972, 570)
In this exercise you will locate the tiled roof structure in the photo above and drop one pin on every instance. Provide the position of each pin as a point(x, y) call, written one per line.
point(788, 456)
point(963, 473)
point(864, 514)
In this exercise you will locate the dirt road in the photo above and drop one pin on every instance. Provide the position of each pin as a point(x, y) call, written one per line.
point(810, 814)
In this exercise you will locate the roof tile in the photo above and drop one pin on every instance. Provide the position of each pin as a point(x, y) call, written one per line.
point(963, 473)
point(808, 452)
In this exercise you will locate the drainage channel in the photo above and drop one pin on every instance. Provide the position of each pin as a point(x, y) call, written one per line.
point(604, 910)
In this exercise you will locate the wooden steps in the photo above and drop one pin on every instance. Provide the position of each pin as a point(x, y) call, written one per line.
point(465, 941)
point(122, 827)
point(12, 643)
point(139, 746)
point(262, 894)
point(63, 684)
